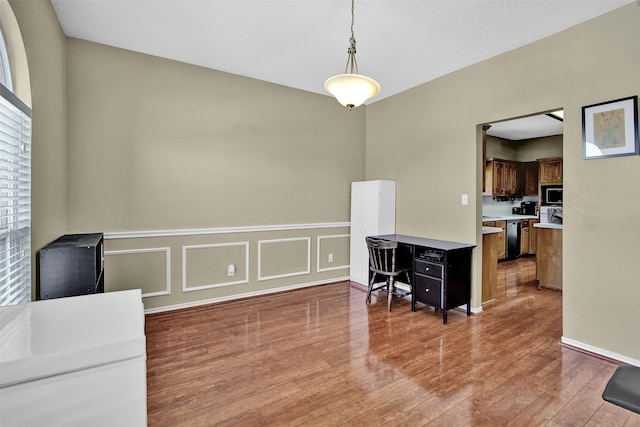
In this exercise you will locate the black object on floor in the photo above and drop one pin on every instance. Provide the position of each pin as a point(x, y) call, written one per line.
point(623, 388)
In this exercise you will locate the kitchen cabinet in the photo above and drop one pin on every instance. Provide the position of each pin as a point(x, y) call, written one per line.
point(489, 266)
point(529, 173)
point(550, 171)
point(549, 258)
point(525, 233)
point(373, 212)
point(533, 236)
point(528, 237)
point(500, 237)
point(502, 178)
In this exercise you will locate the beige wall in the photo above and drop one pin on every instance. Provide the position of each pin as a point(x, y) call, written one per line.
point(526, 150)
point(45, 52)
point(157, 145)
point(540, 148)
point(501, 148)
point(428, 140)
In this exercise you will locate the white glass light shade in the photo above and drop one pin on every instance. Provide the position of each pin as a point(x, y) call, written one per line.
point(352, 90)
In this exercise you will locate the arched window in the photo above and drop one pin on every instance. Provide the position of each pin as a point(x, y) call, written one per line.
point(5, 66)
point(15, 189)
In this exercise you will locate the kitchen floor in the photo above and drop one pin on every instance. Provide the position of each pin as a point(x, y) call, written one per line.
point(518, 272)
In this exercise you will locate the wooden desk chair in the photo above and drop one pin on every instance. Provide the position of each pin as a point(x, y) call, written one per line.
point(623, 388)
point(382, 261)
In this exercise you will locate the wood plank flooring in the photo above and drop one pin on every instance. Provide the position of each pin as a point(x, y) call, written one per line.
point(322, 357)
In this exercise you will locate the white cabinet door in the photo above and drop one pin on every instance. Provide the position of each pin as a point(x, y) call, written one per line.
point(373, 212)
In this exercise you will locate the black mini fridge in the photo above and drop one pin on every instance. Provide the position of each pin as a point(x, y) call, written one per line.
point(71, 265)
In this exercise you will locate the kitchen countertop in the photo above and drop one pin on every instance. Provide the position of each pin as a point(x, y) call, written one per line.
point(548, 225)
point(507, 217)
point(489, 230)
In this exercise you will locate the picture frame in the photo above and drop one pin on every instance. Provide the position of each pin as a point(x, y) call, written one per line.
point(610, 129)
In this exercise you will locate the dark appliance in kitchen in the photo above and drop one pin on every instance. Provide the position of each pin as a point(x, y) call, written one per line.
point(551, 195)
point(526, 208)
point(512, 239)
point(71, 265)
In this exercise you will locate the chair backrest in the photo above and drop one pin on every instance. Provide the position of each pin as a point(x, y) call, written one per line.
point(382, 255)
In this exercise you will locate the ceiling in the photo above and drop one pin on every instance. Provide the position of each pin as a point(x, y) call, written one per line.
point(530, 127)
point(300, 43)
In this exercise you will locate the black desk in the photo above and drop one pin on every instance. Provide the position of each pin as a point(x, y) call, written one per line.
point(441, 271)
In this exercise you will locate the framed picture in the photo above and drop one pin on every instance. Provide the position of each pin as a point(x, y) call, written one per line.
point(610, 129)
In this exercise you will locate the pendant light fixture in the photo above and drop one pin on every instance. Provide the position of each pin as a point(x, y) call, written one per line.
point(351, 89)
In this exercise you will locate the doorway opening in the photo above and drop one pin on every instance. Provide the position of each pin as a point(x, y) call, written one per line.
point(522, 159)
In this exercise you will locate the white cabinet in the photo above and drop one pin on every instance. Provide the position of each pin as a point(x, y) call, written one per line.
point(373, 212)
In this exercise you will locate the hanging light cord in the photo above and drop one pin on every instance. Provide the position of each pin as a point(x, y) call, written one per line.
point(351, 60)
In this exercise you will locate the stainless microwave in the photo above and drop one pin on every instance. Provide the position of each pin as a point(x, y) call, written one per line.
point(551, 194)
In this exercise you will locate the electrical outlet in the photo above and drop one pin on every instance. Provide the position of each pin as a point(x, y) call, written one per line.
point(465, 199)
point(330, 257)
point(231, 270)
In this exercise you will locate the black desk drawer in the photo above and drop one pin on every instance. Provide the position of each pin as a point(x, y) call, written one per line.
point(428, 290)
point(428, 268)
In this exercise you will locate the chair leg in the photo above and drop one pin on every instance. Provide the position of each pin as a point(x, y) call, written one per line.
point(390, 292)
point(373, 279)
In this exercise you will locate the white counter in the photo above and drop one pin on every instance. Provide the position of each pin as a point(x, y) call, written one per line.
point(490, 230)
point(548, 225)
point(507, 217)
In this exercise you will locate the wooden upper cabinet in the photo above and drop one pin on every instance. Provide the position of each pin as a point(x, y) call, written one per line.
point(550, 171)
point(512, 182)
point(529, 173)
point(502, 178)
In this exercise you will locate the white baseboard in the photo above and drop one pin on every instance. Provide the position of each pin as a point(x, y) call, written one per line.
point(599, 351)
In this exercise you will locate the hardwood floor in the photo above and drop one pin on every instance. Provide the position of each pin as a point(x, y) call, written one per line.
point(322, 357)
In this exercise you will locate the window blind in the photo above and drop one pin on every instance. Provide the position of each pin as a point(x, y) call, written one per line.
point(15, 199)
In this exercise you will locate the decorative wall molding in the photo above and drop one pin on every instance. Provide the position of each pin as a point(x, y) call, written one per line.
point(246, 295)
point(167, 251)
point(295, 259)
point(221, 230)
point(320, 238)
point(186, 288)
point(598, 351)
point(274, 241)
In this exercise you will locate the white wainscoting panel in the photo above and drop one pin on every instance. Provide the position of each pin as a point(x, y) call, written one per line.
point(185, 250)
point(265, 243)
point(319, 252)
point(167, 253)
